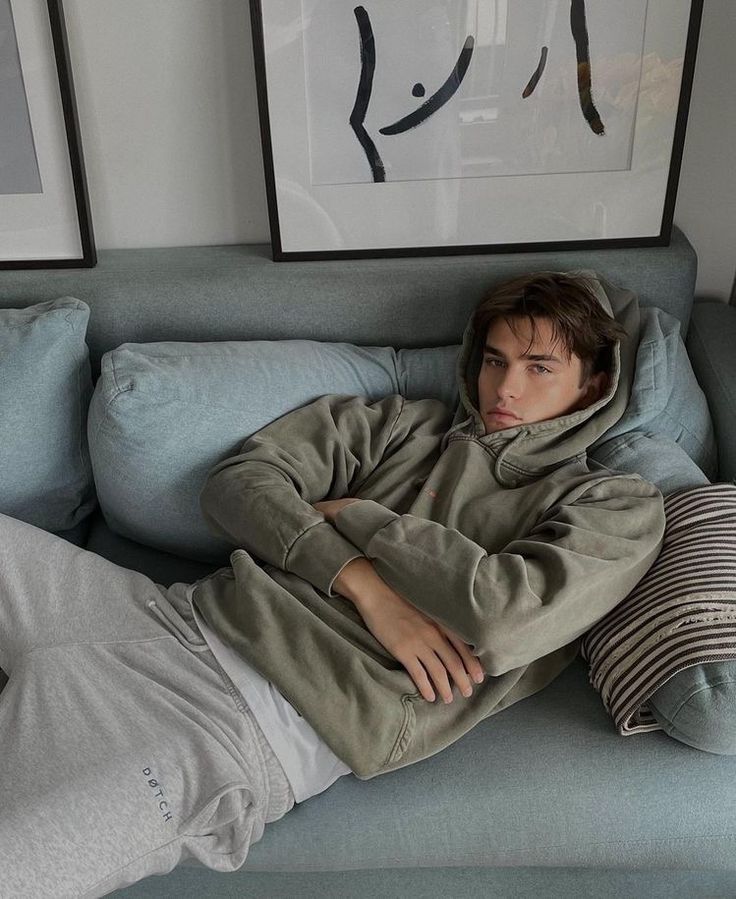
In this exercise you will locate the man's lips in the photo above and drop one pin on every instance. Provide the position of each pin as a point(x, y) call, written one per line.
point(504, 413)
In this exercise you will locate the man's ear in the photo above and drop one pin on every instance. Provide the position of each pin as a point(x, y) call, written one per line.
point(597, 386)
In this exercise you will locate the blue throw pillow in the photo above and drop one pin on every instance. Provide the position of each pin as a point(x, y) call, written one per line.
point(698, 707)
point(45, 388)
point(163, 414)
point(666, 434)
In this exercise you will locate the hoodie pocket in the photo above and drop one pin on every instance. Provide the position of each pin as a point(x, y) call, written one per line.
point(406, 733)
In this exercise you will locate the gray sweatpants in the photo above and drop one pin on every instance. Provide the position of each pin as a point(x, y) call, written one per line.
point(124, 747)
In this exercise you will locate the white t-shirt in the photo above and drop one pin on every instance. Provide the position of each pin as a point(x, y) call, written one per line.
point(308, 762)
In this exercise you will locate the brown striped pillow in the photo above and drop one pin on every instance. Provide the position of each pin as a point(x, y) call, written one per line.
point(680, 615)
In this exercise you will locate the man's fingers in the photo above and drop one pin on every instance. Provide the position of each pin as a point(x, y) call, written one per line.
point(471, 662)
point(420, 678)
point(436, 654)
point(437, 669)
point(452, 662)
point(428, 671)
point(432, 665)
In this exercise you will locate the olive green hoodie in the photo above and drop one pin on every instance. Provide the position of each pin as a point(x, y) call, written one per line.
point(515, 540)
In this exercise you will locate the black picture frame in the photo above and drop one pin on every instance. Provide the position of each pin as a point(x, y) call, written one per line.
point(87, 256)
point(282, 250)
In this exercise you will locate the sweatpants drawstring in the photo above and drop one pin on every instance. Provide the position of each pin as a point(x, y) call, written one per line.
point(169, 621)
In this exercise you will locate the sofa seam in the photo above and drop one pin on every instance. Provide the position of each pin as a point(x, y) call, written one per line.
point(719, 391)
point(62, 311)
point(118, 392)
point(82, 431)
point(382, 862)
point(709, 364)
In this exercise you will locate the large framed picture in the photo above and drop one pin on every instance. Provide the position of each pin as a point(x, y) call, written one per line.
point(44, 206)
point(424, 127)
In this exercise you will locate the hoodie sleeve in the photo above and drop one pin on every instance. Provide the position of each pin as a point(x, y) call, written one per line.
point(261, 499)
point(542, 591)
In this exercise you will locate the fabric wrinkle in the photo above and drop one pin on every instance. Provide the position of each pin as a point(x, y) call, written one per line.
point(499, 466)
point(168, 617)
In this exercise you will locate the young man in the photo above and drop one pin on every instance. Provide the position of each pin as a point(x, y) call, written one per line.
point(387, 553)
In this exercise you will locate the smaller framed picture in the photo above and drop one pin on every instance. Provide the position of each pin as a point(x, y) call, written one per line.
point(44, 205)
point(432, 127)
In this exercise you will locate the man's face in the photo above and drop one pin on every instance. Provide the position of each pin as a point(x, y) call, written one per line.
point(530, 383)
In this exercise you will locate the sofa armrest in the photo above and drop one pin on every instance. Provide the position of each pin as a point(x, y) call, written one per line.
point(711, 340)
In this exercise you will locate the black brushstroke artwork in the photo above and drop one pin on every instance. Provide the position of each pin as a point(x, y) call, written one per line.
point(363, 98)
point(439, 97)
point(580, 34)
point(450, 87)
point(365, 87)
point(534, 80)
point(579, 29)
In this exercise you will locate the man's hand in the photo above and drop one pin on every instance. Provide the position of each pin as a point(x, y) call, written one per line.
point(424, 647)
point(330, 507)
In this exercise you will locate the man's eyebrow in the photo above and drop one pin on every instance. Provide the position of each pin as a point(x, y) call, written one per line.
point(536, 358)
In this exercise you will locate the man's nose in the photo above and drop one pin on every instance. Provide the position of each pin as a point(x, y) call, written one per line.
point(509, 385)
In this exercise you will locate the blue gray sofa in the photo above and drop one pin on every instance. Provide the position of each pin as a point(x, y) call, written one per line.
point(543, 799)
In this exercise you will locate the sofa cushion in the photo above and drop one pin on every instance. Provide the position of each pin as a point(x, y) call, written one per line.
point(665, 658)
point(45, 388)
point(163, 414)
point(666, 434)
point(710, 343)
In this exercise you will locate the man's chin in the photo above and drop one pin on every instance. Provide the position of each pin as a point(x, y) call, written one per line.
point(493, 425)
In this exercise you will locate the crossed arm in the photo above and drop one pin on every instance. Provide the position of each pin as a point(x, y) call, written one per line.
point(426, 591)
point(424, 647)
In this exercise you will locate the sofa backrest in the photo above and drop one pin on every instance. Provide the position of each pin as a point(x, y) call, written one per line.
point(238, 293)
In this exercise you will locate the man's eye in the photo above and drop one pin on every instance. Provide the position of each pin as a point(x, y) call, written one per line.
point(542, 370)
point(489, 360)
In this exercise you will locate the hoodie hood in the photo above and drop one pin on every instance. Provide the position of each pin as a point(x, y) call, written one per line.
point(532, 450)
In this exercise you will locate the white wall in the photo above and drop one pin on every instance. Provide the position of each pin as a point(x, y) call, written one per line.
point(706, 200)
point(168, 114)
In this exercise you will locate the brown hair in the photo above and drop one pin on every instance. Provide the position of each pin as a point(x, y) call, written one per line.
point(579, 322)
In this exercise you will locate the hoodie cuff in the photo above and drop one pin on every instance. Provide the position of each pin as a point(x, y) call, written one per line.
point(358, 522)
point(319, 555)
